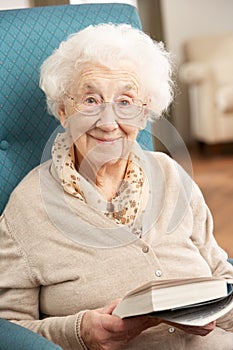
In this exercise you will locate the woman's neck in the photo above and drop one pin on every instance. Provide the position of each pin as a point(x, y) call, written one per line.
point(109, 178)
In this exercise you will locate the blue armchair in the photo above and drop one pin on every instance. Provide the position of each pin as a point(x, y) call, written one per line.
point(28, 36)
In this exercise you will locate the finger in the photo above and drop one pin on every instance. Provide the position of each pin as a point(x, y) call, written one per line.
point(108, 309)
point(210, 326)
point(133, 324)
point(197, 330)
point(154, 321)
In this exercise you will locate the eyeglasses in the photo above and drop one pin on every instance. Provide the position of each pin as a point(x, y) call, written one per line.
point(91, 105)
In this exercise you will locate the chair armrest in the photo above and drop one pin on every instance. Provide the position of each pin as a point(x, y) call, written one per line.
point(224, 98)
point(194, 72)
point(13, 336)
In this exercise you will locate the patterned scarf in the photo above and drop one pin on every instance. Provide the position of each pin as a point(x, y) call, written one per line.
point(124, 207)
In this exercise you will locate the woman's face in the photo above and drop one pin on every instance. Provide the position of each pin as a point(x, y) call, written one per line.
point(104, 137)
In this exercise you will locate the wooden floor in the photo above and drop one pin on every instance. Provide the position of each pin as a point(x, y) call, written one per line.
point(214, 175)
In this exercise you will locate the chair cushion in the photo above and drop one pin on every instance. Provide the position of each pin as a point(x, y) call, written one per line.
point(224, 99)
point(28, 36)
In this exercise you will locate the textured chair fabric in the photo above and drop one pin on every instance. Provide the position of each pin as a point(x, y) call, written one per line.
point(14, 337)
point(28, 36)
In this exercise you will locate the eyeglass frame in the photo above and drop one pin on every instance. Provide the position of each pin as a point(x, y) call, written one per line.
point(103, 104)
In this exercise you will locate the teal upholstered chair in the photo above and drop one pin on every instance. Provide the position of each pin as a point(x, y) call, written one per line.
point(14, 337)
point(28, 36)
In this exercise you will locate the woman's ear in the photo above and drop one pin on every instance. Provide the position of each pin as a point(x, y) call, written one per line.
point(143, 120)
point(62, 116)
point(145, 114)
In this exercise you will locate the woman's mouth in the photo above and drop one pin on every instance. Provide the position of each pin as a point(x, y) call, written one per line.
point(107, 141)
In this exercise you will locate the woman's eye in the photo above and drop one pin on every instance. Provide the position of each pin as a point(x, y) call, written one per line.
point(90, 100)
point(125, 102)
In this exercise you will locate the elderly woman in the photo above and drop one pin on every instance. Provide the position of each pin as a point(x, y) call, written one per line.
point(103, 216)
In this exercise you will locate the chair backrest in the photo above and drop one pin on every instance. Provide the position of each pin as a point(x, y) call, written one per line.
point(28, 36)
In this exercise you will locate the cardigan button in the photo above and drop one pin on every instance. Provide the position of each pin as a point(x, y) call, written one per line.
point(158, 273)
point(145, 249)
point(171, 330)
point(4, 145)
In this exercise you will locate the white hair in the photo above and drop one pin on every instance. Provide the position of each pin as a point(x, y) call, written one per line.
point(109, 44)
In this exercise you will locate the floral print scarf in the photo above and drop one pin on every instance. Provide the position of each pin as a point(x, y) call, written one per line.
point(124, 207)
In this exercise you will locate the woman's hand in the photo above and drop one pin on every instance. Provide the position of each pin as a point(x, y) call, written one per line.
point(100, 330)
point(196, 330)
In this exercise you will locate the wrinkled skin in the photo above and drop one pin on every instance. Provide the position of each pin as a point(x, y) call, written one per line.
point(100, 330)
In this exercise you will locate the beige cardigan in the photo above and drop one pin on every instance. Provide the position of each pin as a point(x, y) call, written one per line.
point(55, 262)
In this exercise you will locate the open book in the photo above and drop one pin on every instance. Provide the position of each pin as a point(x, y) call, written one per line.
point(195, 301)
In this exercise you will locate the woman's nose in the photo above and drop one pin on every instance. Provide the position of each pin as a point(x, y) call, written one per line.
point(107, 119)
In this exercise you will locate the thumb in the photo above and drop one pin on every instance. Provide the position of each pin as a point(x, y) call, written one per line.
point(108, 309)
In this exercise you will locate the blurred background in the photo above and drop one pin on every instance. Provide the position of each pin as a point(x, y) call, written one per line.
point(199, 35)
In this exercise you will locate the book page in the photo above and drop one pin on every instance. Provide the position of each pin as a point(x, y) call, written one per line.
point(199, 315)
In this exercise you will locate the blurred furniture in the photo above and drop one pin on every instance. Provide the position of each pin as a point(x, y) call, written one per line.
point(27, 37)
point(208, 71)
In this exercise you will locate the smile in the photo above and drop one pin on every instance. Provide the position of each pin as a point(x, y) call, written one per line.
point(105, 141)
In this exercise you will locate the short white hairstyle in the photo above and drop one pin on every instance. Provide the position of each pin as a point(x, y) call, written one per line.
point(109, 45)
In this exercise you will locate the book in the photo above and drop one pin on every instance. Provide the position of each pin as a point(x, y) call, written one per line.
point(191, 301)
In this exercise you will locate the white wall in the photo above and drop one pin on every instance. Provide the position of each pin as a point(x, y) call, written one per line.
point(130, 2)
point(183, 19)
point(14, 4)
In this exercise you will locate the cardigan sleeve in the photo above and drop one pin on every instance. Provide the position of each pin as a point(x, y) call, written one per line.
point(202, 222)
point(19, 291)
point(203, 237)
point(215, 256)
